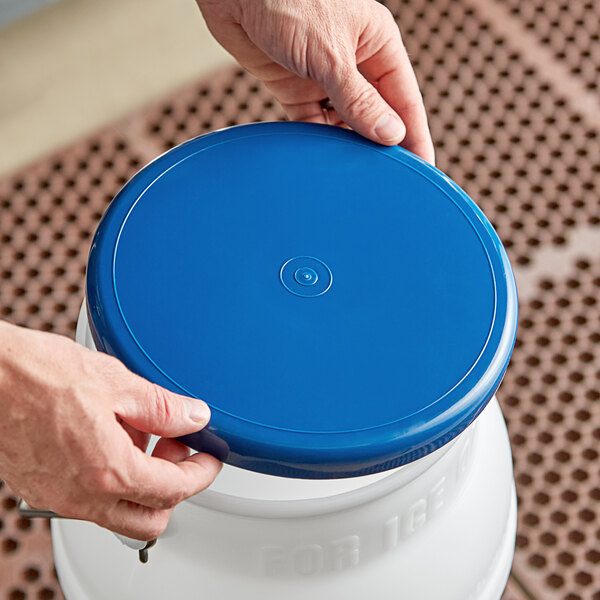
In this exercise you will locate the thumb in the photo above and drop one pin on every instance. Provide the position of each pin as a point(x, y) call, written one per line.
point(154, 409)
point(361, 107)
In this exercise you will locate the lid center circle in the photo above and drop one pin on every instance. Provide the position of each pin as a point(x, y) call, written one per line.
point(306, 276)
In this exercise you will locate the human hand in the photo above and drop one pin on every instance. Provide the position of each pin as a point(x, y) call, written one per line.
point(349, 51)
point(74, 426)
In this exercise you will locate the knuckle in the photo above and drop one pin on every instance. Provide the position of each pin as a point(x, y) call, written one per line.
point(108, 366)
point(334, 62)
point(205, 485)
point(108, 363)
point(176, 499)
point(360, 104)
point(385, 14)
point(162, 405)
point(411, 105)
point(207, 471)
point(96, 479)
point(387, 27)
point(153, 532)
point(157, 525)
point(171, 500)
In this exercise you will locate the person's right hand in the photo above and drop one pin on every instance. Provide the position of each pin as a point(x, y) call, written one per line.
point(349, 51)
point(74, 425)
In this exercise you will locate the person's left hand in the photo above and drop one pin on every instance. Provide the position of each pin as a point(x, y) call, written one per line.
point(74, 425)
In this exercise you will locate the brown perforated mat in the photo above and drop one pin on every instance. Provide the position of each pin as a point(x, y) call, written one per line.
point(570, 30)
point(512, 92)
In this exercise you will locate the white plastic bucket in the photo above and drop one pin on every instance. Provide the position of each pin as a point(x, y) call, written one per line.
point(336, 328)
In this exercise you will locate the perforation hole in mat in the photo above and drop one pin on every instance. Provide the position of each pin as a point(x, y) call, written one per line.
point(521, 151)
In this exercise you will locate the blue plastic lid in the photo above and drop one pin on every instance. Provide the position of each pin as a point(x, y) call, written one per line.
point(343, 307)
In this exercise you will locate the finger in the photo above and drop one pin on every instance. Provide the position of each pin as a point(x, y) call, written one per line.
point(136, 521)
point(163, 484)
point(397, 83)
point(153, 409)
point(312, 112)
point(171, 450)
point(362, 108)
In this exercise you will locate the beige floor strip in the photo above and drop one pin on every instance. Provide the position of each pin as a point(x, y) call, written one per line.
point(556, 262)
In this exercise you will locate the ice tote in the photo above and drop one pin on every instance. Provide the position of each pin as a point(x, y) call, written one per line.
point(348, 313)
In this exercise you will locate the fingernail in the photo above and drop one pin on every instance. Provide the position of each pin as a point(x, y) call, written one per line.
point(390, 128)
point(198, 411)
